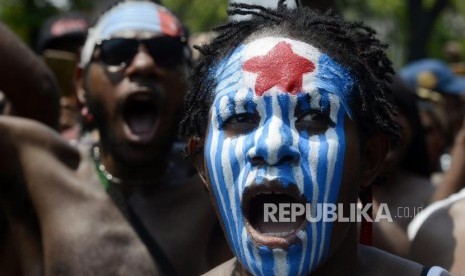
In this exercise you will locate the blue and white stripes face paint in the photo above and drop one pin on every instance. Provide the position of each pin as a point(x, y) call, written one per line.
point(285, 103)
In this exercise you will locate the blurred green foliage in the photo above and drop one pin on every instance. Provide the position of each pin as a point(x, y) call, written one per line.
point(199, 15)
point(390, 18)
point(26, 16)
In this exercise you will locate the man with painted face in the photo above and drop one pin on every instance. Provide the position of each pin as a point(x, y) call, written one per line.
point(131, 77)
point(291, 107)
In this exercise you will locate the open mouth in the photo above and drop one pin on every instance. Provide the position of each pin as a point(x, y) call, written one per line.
point(140, 117)
point(264, 223)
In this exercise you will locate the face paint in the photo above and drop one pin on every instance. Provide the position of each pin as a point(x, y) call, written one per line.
point(276, 134)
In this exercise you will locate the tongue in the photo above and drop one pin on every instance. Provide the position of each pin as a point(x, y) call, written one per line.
point(141, 123)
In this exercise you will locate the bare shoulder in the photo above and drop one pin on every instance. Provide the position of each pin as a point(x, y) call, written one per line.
point(375, 262)
point(435, 241)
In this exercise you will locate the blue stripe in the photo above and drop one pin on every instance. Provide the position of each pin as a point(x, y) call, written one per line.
point(293, 259)
point(336, 79)
point(262, 149)
point(338, 172)
point(228, 67)
point(267, 260)
point(255, 268)
point(222, 189)
point(286, 133)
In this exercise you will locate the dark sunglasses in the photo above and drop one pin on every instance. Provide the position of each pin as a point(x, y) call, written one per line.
point(166, 51)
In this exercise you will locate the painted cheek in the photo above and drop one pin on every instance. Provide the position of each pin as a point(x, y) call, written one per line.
point(228, 172)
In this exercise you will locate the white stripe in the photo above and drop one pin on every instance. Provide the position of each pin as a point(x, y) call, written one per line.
point(229, 84)
point(304, 238)
point(313, 164)
point(237, 192)
point(213, 148)
point(334, 106)
point(224, 108)
point(240, 100)
point(229, 182)
point(274, 138)
point(247, 254)
point(280, 262)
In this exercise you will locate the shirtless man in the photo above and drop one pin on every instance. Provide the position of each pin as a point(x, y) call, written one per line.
point(290, 107)
point(132, 79)
point(52, 222)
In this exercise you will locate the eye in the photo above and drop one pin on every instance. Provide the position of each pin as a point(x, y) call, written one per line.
point(314, 122)
point(239, 124)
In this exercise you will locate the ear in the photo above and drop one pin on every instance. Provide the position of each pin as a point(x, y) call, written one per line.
point(373, 155)
point(195, 149)
point(78, 79)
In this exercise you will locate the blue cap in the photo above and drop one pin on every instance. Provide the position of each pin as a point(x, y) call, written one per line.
point(433, 74)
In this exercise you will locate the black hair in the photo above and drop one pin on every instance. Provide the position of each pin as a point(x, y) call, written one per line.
point(352, 44)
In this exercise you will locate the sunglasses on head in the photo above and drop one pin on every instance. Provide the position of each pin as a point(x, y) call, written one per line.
point(166, 51)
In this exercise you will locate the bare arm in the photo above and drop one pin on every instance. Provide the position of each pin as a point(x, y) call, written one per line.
point(434, 243)
point(26, 81)
point(454, 178)
point(82, 232)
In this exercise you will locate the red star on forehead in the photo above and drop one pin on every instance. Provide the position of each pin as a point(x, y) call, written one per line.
point(279, 67)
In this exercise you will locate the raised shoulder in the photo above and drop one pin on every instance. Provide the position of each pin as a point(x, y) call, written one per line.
point(438, 240)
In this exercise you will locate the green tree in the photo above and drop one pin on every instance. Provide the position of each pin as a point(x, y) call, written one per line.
point(199, 15)
point(420, 27)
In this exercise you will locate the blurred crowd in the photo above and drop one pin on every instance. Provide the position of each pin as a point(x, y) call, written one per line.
point(109, 96)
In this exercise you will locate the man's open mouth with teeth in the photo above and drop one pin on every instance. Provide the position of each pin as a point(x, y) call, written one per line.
point(140, 116)
point(262, 229)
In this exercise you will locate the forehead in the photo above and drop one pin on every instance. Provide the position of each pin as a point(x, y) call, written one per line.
point(278, 65)
point(139, 16)
point(142, 34)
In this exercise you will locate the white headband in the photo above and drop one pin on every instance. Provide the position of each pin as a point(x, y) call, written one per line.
point(130, 15)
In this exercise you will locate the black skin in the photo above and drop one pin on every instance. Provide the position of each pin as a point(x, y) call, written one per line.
point(74, 229)
point(188, 235)
point(26, 82)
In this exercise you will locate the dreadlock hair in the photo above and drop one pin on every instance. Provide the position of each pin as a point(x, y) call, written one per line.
point(352, 44)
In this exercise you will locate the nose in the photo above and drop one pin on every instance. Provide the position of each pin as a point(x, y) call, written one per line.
point(274, 148)
point(143, 64)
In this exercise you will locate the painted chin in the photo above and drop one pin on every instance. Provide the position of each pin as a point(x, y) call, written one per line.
point(272, 234)
point(140, 118)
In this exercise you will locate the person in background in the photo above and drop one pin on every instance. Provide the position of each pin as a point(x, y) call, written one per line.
point(60, 42)
point(454, 56)
point(128, 204)
point(437, 233)
point(131, 76)
point(431, 75)
point(29, 88)
point(404, 183)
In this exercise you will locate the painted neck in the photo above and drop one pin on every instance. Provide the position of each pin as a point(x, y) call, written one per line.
point(343, 262)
